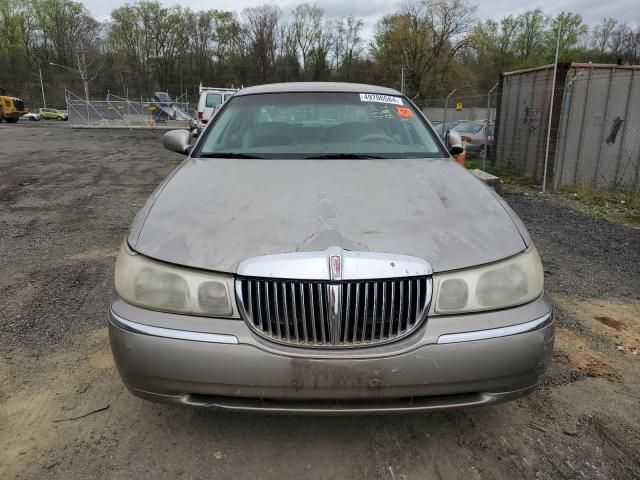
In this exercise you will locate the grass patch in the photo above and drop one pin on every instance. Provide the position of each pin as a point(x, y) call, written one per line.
point(508, 176)
point(615, 204)
point(604, 197)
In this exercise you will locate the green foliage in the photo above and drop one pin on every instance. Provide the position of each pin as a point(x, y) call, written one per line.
point(146, 46)
point(572, 30)
point(15, 29)
point(425, 37)
point(525, 41)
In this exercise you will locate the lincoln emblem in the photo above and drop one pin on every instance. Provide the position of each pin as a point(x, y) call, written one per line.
point(336, 267)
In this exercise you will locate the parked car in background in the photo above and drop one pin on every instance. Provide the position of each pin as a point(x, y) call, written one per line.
point(319, 251)
point(476, 135)
point(35, 117)
point(53, 114)
point(210, 99)
point(441, 129)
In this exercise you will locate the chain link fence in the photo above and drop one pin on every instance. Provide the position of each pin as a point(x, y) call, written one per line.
point(472, 116)
point(119, 112)
point(589, 138)
point(598, 139)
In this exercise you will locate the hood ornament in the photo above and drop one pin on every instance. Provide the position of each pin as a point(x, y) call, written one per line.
point(335, 262)
point(336, 267)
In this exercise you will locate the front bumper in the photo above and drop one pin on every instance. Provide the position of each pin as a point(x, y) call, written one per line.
point(237, 370)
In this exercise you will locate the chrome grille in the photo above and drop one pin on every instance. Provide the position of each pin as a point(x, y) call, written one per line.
point(334, 314)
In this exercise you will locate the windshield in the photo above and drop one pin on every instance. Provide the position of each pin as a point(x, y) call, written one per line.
point(213, 99)
point(469, 127)
point(319, 124)
point(450, 125)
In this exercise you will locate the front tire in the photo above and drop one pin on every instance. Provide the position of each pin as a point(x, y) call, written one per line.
point(11, 120)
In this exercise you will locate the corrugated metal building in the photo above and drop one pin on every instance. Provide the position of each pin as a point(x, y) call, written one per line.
point(595, 129)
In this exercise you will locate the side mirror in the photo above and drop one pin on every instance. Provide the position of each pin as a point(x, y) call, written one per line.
point(453, 140)
point(177, 141)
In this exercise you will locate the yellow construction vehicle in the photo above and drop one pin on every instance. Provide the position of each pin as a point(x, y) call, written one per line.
point(11, 108)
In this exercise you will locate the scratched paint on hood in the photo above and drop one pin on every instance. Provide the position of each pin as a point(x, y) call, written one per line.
point(214, 213)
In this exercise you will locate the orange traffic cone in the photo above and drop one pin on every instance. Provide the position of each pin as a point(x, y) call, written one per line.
point(461, 158)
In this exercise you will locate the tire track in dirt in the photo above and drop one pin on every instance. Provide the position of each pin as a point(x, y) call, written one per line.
point(55, 362)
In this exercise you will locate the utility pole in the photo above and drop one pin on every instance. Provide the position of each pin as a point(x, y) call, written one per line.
point(553, 93)
point(82, 72)
point(82, 68)
point(44, 100)
point(402, 80)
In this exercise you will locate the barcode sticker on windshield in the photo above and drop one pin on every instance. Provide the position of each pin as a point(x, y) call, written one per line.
point(375, 97)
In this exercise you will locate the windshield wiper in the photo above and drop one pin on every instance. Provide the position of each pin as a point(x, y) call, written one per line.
point(227, 155)
point(342, 155)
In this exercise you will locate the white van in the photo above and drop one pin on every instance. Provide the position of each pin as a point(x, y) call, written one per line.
point(210, 99)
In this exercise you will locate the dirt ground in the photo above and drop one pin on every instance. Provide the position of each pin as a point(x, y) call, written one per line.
point(66, 200)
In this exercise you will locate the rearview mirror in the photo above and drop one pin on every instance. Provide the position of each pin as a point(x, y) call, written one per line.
point(453, 140)
point(177, 141)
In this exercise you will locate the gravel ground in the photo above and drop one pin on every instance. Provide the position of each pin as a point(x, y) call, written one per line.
point(583, 255)
point(66, 199)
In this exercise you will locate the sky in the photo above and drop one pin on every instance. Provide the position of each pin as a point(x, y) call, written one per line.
point(371, 11)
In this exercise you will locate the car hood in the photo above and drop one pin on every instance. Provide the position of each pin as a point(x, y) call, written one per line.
point(214, 213)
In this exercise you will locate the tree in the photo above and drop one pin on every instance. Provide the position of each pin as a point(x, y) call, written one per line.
point(318, 65)
point(62, 28)
point(260, 33)
point(424, 38)
point(572, 30)
point(211, 40)
point(530, 34)
point(346, 43)
point(601, 34)
point(307, 30)
point(493, 44)
point(15, 30)
point(625, 43)
point(147, 46)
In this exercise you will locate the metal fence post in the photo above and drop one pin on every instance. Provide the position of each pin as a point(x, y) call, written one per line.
point(563, 127)
point(624, 125)
point(66, 101)
point(553, 93)
point(486, 128)
point(444, 116)
point(603, 130)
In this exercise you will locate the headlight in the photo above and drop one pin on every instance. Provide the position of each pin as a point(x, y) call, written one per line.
point(158, 286)
point(511, 282)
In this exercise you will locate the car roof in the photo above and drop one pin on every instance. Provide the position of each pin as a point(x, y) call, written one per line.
point(474, 122)
point(317, 87)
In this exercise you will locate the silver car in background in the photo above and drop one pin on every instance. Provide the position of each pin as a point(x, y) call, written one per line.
point(319, 251)
point(476, 135)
